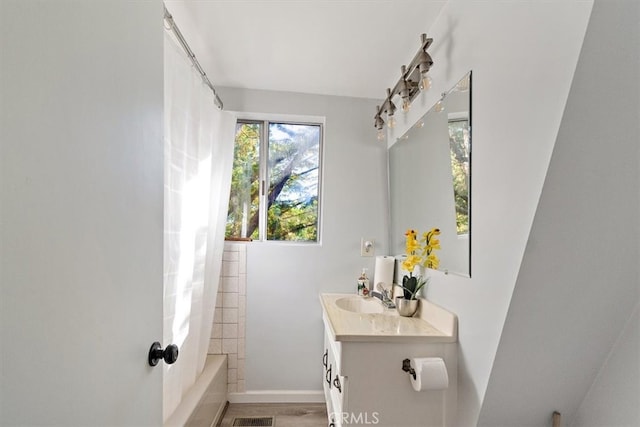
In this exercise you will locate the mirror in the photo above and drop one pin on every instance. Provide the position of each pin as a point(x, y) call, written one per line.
point(430, 179)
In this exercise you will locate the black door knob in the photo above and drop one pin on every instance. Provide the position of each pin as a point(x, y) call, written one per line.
point(169, 354)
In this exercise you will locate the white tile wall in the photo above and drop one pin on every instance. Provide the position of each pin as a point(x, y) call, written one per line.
point(227, 334)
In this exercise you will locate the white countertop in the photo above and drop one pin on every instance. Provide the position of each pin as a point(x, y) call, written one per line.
point(389, 326)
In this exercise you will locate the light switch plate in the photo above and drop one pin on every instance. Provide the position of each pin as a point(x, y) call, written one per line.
point(367, 247)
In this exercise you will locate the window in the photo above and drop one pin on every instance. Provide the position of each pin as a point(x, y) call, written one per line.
point(275, 184)
point(459, 144)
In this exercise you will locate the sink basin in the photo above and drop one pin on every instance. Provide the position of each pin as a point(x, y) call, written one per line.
point(357, 304)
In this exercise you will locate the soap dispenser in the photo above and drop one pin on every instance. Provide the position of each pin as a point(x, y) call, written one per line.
point(363, 284)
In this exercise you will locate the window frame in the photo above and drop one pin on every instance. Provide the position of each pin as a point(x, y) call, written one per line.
point(263, 166)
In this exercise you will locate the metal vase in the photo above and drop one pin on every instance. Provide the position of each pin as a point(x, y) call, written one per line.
point(407, 307)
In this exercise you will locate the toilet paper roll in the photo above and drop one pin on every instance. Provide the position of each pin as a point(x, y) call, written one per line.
point(431, 374)
point(383, 272)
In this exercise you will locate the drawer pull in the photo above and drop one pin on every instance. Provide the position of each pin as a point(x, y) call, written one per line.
point(336, 383)
point(325, 358)
point(327, 376)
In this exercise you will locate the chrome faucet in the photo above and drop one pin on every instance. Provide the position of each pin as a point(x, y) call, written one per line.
point(383, 296)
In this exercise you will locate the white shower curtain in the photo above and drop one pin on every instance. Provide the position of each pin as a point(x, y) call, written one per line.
point(198, 160)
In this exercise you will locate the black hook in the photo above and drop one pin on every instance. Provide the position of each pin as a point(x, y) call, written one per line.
point(406, 366)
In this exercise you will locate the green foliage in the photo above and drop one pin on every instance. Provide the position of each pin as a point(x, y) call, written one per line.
point(297, 222)
point(459, 143)
point(245, 180)
point(411, 285)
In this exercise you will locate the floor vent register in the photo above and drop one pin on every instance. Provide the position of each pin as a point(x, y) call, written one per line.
point(253, 421)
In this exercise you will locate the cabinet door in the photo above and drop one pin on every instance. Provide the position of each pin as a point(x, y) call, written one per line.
point(333, 383)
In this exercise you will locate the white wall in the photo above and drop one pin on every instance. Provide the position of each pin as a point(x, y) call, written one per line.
point(612, 399)
point(81, 211)
point(523, 55)
point(578, 282)
point(284, 324)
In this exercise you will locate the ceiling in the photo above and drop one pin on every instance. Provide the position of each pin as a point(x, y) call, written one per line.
point(331, 47)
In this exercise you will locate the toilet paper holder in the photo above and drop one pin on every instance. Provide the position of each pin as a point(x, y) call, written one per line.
point(406, 366)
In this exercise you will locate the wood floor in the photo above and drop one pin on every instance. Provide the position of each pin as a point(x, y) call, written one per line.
point(285, 414)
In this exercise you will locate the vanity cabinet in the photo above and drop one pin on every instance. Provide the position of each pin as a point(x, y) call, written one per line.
point(363, 380)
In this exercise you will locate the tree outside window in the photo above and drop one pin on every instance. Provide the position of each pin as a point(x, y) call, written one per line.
point(459, 144)
point(286, 156)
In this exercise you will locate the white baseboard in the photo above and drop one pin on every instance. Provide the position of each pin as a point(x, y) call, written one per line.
point(277, 396)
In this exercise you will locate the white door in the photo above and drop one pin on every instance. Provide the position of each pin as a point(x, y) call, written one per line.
point(81, 212)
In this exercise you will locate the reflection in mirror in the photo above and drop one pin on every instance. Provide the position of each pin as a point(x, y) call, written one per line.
point(430, 179)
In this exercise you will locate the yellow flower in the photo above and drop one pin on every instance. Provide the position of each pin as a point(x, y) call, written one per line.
point(410, 262)
point(428, 235)
point(412, 245)
point(424, 247)
point(434, 244)
point(433, 261)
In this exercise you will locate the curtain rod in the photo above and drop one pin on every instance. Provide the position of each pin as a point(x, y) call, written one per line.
point(174, 28)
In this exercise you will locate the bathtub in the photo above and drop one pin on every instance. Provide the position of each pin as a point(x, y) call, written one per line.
point(204, 403)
